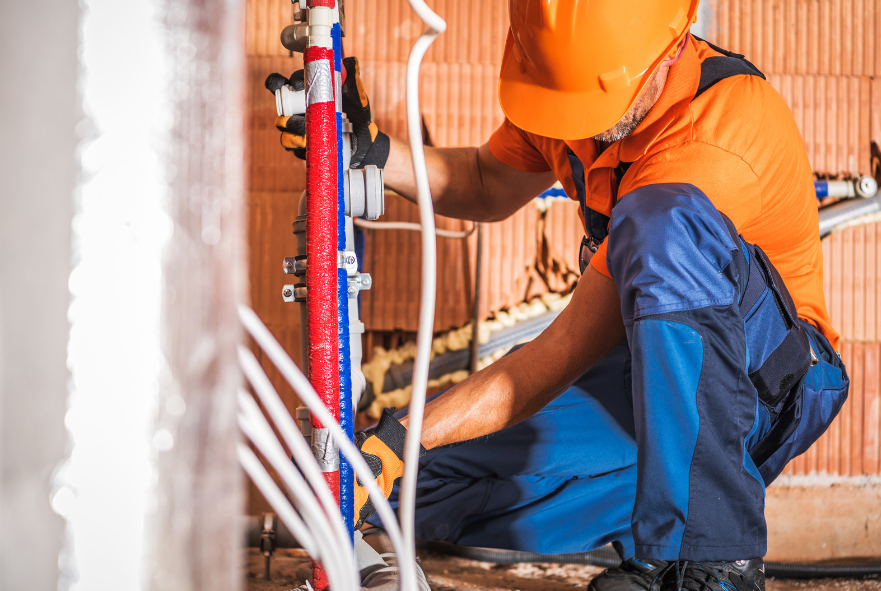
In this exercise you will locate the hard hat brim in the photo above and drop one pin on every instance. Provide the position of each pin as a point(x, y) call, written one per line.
point(558, 114)
point(570, 114)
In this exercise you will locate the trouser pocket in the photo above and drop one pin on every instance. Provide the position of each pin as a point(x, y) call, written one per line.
point(798, 377)
point(809, 413)
point(779, 353)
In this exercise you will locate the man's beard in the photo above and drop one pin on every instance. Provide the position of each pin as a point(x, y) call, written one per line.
point(638, 112)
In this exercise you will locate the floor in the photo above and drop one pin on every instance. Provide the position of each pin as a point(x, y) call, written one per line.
point(447, 573)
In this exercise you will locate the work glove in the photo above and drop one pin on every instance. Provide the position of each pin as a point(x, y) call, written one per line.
point(383, 449)
point(369, 145)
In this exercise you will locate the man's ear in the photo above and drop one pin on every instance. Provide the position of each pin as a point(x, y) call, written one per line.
point(676, 52)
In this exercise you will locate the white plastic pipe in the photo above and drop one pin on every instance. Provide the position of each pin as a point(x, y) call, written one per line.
point(414, 227)
point(254, 419)
point(301, 385)
point(436, 25)
point(332, 551)
point(295, 441)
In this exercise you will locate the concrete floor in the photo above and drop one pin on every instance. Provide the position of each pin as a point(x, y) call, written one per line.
point(447, 573)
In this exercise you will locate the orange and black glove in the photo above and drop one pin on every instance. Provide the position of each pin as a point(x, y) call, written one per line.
point(292, 127)
point(369, 145)
point(383, 449)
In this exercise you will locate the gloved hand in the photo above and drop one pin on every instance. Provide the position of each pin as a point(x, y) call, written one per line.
point(369, 145)
point(383, 449)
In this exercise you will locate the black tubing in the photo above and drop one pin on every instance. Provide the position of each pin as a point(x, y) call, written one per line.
point(605, 556)
point(608, 557)
point(816, 570)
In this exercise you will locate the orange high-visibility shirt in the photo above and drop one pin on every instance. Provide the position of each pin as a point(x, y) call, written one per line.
point(737, 142)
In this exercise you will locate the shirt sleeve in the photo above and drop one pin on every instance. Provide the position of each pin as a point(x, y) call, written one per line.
point(598, 260)
point(512, 146)
point(725, 178)
point(729, 183)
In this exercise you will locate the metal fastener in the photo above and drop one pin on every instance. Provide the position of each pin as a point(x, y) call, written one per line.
point(287, 293)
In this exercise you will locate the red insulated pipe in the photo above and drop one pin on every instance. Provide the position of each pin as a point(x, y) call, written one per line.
point(321, 236)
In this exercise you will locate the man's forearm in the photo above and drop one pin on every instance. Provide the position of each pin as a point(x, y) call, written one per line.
point(522, 383)
point(466, 183)
point(453, 175)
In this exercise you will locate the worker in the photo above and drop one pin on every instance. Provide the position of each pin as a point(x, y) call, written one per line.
point(696, 357)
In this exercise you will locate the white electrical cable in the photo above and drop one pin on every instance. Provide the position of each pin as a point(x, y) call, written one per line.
point(436, 25)
point(339, 572)
point(305, 461)
point(415, 228)
point(333, 553)
point(277, 500)
point(296, 443)
point(304, 389)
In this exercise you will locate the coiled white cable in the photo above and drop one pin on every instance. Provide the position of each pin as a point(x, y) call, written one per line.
point(292, 437)
point(407, 510)
point(303, 387)
point(334, 548)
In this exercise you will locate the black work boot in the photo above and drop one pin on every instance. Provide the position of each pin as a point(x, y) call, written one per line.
point(740, 575)
point(633, 575)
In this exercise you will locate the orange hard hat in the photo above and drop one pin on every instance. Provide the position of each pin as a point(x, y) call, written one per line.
point(572, 68)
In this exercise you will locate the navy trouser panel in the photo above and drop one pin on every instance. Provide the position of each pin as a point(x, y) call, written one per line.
point(561, 481)
point(680, 274)
point(699, 497)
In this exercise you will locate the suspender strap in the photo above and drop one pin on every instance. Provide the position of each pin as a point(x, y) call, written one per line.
point(717, 68)
point(595, 224)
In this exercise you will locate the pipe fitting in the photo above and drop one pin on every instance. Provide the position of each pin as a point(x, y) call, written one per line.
point(321, 19)
point(289, 101)
point(364, 192)
point(866, 187)
point(295, 37)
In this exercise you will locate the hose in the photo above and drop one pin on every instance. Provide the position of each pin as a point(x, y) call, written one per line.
point(415, 228)
point(847, 212)
point(607, 557)
point(400, 375)
point(292, 374)
point(424, 334)
point(816, 570)
point(339, 572)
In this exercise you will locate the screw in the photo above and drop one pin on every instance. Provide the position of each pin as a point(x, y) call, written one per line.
point(287, 293)
point(288, 264)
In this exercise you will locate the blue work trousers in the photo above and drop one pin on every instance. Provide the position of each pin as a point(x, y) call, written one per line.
point(651, 448)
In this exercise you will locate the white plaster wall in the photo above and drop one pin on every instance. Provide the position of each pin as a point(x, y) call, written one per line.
point(38, 48)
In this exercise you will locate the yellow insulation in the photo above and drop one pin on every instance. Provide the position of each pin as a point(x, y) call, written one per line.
point(454, 340)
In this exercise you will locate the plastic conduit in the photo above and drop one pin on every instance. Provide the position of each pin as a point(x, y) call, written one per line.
point(321, 234)
point(346, 476)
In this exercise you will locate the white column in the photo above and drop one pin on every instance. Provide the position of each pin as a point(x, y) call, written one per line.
point(152, 489)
